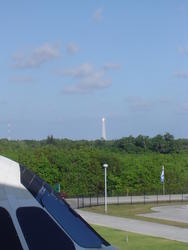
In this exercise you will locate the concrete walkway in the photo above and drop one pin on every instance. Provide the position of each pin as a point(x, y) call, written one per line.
point(136, 226)
point(177, 213)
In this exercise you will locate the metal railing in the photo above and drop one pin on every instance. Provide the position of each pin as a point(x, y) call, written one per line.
point(89, 201)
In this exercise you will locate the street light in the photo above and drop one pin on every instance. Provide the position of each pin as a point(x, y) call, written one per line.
point(105, 187)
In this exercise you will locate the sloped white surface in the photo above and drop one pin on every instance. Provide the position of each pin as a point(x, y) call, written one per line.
point(12, 193)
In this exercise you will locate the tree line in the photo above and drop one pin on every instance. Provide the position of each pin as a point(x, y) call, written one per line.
point(134, 163)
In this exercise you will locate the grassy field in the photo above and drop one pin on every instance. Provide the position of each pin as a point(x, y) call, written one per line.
point(131, 211)
point(136, 241)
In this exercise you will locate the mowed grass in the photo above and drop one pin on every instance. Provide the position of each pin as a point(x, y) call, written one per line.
point(132, 211)
point(131, 241)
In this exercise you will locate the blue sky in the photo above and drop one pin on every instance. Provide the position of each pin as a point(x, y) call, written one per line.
point(66, 64)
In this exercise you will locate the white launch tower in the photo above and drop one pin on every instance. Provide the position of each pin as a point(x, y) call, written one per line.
point(103, 129)
point(9, 131)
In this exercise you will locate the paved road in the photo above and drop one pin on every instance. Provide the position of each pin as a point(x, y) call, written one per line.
point(173, 213)
point(136, 226)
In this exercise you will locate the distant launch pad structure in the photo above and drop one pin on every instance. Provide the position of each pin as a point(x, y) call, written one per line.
point(9, 131)
point(103, 129)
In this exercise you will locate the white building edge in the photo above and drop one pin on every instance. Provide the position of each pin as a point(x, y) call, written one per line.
point(32, 216)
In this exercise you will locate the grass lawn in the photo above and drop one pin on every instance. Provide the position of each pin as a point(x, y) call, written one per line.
point(136, 241)
point(131, 211)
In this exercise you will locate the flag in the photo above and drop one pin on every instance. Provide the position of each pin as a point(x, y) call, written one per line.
point(162, 175)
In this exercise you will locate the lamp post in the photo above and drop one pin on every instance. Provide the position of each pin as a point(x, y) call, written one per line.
point(105, 187)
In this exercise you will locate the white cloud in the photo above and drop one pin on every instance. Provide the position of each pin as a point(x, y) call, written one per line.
point(183, 50)
point(182, 74)
point(165, 100)
point(180, 50)
point(21, 79)
point(82, 70)
point(183, 109)
point(136, 103)
point(108, 66)
point(3, 102)
point(97, 16)
point(182, 8)
point(72, 48)
point(87, 85)
point(38, 56)
point(87, 79)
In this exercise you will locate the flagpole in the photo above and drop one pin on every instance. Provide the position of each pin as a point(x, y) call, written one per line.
point(164, 187)
point(163, 179)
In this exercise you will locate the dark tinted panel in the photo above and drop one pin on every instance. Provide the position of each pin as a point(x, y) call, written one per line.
point(48, 187)
point(8, 235)
point(72, 223)
point(22, 169)
point(35, 186)
point(26, 177)
point(32, 181)
point(79, 230)
point(40, 231)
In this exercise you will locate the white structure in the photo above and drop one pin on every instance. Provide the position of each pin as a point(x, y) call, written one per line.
point(29, 207)
point(9, 131)
point(103, 129)
point(105, 188)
